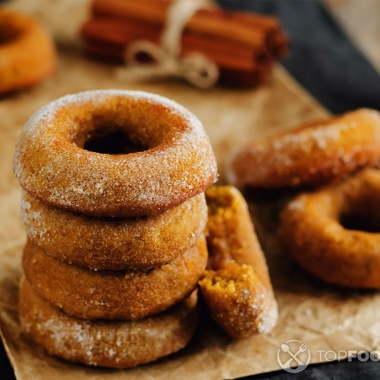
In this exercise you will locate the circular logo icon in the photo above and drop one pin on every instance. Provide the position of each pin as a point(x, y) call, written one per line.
point(293, 356)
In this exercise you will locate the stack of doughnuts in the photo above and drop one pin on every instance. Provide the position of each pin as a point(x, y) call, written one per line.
point(115, 212)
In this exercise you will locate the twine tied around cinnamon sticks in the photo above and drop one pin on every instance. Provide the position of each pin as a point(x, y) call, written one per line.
point(244, 46)
point(195, 68)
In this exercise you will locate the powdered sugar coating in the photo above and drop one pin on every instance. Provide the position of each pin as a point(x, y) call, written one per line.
point(297, 204)
point(309, 155)
point(52, 165)
point(118, 344)
point(130, 295)
point(117, 243)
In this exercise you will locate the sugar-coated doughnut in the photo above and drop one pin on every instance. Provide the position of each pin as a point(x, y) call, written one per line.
point(27, 51)
point(237, 288)
point(114, 153)
point(310, 155)
point(89, 294)
point(334, 233)
point(118, 243)
point(116, 344)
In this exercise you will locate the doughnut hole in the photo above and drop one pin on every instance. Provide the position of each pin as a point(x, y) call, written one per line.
point(361, 211)
point(9, 31)
point(115, 141)
point(365, 222)
point(120, 126)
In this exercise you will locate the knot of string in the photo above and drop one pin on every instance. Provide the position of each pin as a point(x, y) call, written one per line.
point(195, 68)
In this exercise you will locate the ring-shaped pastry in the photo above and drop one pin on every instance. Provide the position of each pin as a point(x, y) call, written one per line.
point(114, 243)
point(129, 295)
point(27, 52)
point(116, 344)
point(310, 155)
point(114, 153)
point(334, 233)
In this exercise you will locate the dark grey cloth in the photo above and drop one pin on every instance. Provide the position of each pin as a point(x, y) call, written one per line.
point(344, 370)
point(321, 58)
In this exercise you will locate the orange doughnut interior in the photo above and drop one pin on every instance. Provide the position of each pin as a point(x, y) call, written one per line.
point(236, 288)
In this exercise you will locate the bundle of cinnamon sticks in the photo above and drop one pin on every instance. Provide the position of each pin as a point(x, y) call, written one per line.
point(244, 46)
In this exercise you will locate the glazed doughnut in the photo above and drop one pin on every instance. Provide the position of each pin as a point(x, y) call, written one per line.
point(310, 155)
point(237, 290)
point(316, 231)
point(128, 243)
point(117, 344)
point(27, 52)
point(114, 153)
point(88, 294)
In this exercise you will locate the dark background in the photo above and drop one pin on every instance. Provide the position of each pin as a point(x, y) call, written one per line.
point(321, 58)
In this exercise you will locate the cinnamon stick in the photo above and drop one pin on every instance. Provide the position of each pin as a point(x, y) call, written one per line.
point(243, 45)
point(116, 32)
point(108, 53)
point(220, 26)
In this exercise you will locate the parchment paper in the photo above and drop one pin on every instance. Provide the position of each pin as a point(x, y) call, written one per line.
point(323, 317)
